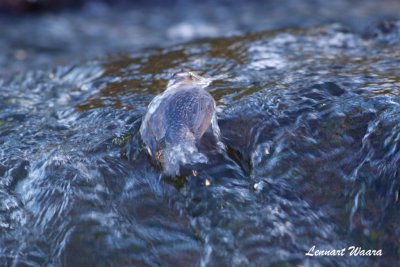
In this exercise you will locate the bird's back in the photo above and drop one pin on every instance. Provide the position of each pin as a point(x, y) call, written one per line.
point(177, 115)
point(189, 111)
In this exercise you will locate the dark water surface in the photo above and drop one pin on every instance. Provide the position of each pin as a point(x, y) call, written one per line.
point(311, 119)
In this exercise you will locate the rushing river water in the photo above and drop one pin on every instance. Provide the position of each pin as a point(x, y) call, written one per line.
point(311, 121)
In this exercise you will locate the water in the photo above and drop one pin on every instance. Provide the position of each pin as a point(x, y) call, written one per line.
point(310, 118)
point(39, 41)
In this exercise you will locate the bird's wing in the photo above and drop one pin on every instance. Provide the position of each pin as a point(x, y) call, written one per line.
point(202, 115)
point(153, 126)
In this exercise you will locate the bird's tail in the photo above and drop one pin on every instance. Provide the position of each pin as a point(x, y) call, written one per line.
point(181, 154)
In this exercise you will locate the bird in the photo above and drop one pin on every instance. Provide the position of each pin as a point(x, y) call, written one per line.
point(177, 119)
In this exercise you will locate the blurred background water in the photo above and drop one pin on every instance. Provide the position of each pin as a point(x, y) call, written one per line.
point(308, 108)
point(43, 33)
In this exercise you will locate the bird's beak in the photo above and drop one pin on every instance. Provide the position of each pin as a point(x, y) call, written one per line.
point(204, 82)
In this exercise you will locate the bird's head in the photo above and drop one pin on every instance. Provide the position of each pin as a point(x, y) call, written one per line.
point(187, 78)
